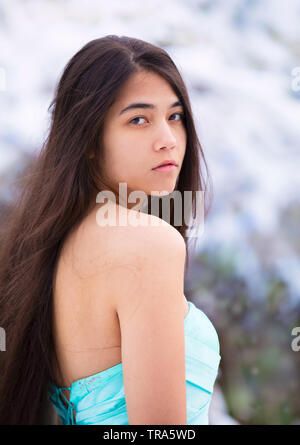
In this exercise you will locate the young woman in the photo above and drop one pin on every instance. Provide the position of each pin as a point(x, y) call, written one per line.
point(93, 309)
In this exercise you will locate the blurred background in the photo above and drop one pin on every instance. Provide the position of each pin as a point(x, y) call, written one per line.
point(240, 60)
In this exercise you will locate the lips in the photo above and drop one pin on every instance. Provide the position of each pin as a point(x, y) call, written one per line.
point(165, 168)
point(168, 162)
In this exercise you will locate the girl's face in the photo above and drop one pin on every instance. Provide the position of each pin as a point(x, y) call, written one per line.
point(137, 137)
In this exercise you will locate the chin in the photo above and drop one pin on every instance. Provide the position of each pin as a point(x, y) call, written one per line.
point(162, 192)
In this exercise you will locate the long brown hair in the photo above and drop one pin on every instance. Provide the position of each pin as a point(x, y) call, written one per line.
point(55, 196)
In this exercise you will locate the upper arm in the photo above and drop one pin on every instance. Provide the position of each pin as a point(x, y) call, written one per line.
point(149, 302)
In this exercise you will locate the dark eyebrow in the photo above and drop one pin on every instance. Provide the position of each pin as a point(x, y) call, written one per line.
point(141, 105)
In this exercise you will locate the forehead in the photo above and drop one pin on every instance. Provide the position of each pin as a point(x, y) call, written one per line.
point(147, 87)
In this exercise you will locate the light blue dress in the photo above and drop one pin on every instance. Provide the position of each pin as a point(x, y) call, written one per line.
point(100, 398)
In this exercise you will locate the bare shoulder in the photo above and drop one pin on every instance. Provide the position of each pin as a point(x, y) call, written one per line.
point(145, 233)
point(147, 285)
point(141, 267)
point(122, 257)
point(126, 233)
point(150, 245)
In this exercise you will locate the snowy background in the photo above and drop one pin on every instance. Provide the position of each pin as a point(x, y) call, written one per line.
point(240, 60)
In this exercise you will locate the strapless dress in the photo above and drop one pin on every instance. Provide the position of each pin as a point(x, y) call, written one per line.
point(100, 398)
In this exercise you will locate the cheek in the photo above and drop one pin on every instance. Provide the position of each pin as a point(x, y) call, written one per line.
point(183, 141)
point(112, 148)
point(127, 149)
point(122, 158)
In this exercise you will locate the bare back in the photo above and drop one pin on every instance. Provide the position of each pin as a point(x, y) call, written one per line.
point(87, 334)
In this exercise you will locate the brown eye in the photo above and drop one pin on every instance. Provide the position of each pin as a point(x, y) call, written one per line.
point(134, 119)
point(179, 114)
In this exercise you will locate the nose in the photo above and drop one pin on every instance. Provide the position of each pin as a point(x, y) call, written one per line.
point(166, 138)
